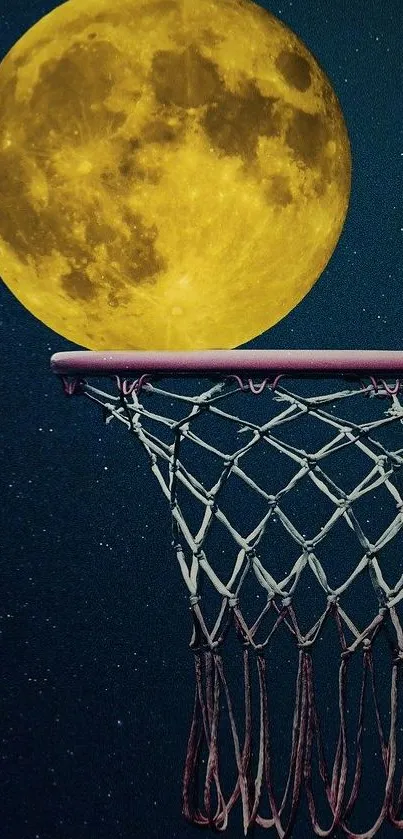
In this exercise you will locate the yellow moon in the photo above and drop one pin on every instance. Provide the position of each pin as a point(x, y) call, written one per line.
point(174, 174)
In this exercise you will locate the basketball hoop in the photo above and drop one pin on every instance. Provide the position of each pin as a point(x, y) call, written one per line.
point(289, 429)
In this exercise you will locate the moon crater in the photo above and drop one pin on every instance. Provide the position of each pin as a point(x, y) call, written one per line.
point(295, 69)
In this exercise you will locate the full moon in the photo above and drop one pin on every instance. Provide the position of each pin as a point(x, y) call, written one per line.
point(174, 174)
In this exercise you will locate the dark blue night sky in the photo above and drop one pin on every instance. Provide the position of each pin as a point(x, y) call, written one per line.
point(97, 681)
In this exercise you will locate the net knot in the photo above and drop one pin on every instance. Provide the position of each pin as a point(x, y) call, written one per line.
point(366, 644)
point(332, 599)
point(398, 659)
point(194, 599)
point(233, 602)
point(286, 601)
point(308, 546)
point(310, 461)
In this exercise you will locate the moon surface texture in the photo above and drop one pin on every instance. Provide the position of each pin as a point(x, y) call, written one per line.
point(174, 174)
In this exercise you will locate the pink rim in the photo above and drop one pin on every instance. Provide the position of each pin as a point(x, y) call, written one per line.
point(106, 363)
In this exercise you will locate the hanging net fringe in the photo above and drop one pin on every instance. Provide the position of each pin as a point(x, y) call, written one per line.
point(206, 800)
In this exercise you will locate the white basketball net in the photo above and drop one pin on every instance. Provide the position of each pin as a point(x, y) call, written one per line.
point(356, 421)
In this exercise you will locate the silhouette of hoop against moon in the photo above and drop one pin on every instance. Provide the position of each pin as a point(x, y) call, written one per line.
point(174, 174)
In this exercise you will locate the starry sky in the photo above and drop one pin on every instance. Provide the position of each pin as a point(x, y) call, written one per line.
point(97, 677)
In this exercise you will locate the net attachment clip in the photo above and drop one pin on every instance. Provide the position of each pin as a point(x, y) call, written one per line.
point(128, 386)
point(72, 385)
point(254, 387)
